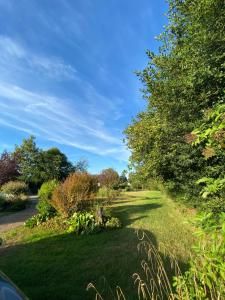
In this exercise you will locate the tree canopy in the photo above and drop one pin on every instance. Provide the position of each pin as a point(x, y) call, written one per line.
point(36, 166)
point(181, 83)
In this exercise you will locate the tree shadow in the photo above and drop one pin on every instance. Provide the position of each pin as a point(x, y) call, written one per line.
point(60, 267)
point(125, 212)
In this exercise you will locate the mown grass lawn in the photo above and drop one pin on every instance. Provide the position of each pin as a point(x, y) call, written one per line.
point(51, 265)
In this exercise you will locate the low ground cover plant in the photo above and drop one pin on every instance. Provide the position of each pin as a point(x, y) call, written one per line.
point(37, 220)
point(86, 223)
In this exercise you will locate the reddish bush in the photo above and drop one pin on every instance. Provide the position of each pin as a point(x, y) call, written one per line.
point(75, 193)
point(8, 168)
point(108, 178)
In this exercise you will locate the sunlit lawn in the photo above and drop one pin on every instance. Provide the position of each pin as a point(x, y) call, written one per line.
point(51, 265)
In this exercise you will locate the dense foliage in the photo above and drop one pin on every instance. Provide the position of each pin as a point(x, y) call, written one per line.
point(181, 84)
point(205, 278)
point(75, 193)
point(108, 178)
point(8, 167)
point(44, 205)
point(36, 166)
point(107, 194)
point(13, 196)
point(15, 188)
point(37, 220)
point(211, 137)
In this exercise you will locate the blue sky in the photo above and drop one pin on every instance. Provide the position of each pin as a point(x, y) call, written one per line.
point(67, 73)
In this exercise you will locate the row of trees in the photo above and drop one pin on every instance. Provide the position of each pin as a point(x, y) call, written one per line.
point(34, 166)
point(183, 86)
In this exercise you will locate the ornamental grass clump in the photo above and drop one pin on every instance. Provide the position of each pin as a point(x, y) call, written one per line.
point(76, 193)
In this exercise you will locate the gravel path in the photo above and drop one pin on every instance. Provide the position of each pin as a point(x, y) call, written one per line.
point(16, 219)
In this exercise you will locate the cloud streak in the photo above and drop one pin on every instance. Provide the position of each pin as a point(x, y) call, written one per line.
point(55, 119)
point(13, 52)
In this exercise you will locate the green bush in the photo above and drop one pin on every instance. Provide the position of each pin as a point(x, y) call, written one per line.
point(17, 204)
point(108, 193)
point(45, 194)
point(113, 223)
point(37, 220)
point(12, 202)
point(87, 223)
point(82, 223)
point(205, 278)
point(102, 192)
point(2, 200)
point(15, 188)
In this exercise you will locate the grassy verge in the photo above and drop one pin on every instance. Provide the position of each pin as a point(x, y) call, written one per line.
point(52, 265)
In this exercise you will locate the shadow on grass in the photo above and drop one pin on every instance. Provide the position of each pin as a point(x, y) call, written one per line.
point(125, 212)
point(60, 267)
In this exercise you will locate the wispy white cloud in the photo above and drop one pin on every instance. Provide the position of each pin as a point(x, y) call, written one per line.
point(13, 52)
point(80, 121)
point(55, 119)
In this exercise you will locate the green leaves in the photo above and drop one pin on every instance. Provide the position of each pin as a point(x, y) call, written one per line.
point(205, 278)
point(184, 90)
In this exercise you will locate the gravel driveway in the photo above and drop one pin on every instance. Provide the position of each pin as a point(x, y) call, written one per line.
point(16, 219)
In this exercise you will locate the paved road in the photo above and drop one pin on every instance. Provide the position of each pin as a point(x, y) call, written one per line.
point(16, 219)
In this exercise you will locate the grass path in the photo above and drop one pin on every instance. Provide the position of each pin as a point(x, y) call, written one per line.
point(50, 265)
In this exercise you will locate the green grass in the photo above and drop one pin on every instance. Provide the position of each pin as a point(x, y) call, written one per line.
point(53, 265)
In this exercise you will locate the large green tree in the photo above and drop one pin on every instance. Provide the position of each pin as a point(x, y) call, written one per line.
point(182, 81)
point(56, 164)
point(36, 166)
point(30, 162)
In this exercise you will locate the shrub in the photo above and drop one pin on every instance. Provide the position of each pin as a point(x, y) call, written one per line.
point(15, 188)
point(75, 193)
point(215, 205)
point(12, 202)
point(2, 201)
point(82, 223)
point(37, 220)
point(108, 178)
point(113, 223)
point(16, 204)
point(45, 194)
point(108, 193)
point(86, 223)
point(205, 278)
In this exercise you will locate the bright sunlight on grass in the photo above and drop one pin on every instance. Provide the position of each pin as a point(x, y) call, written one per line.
point(44, 263)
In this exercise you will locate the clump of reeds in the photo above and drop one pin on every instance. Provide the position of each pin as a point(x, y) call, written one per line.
point(155, 283)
